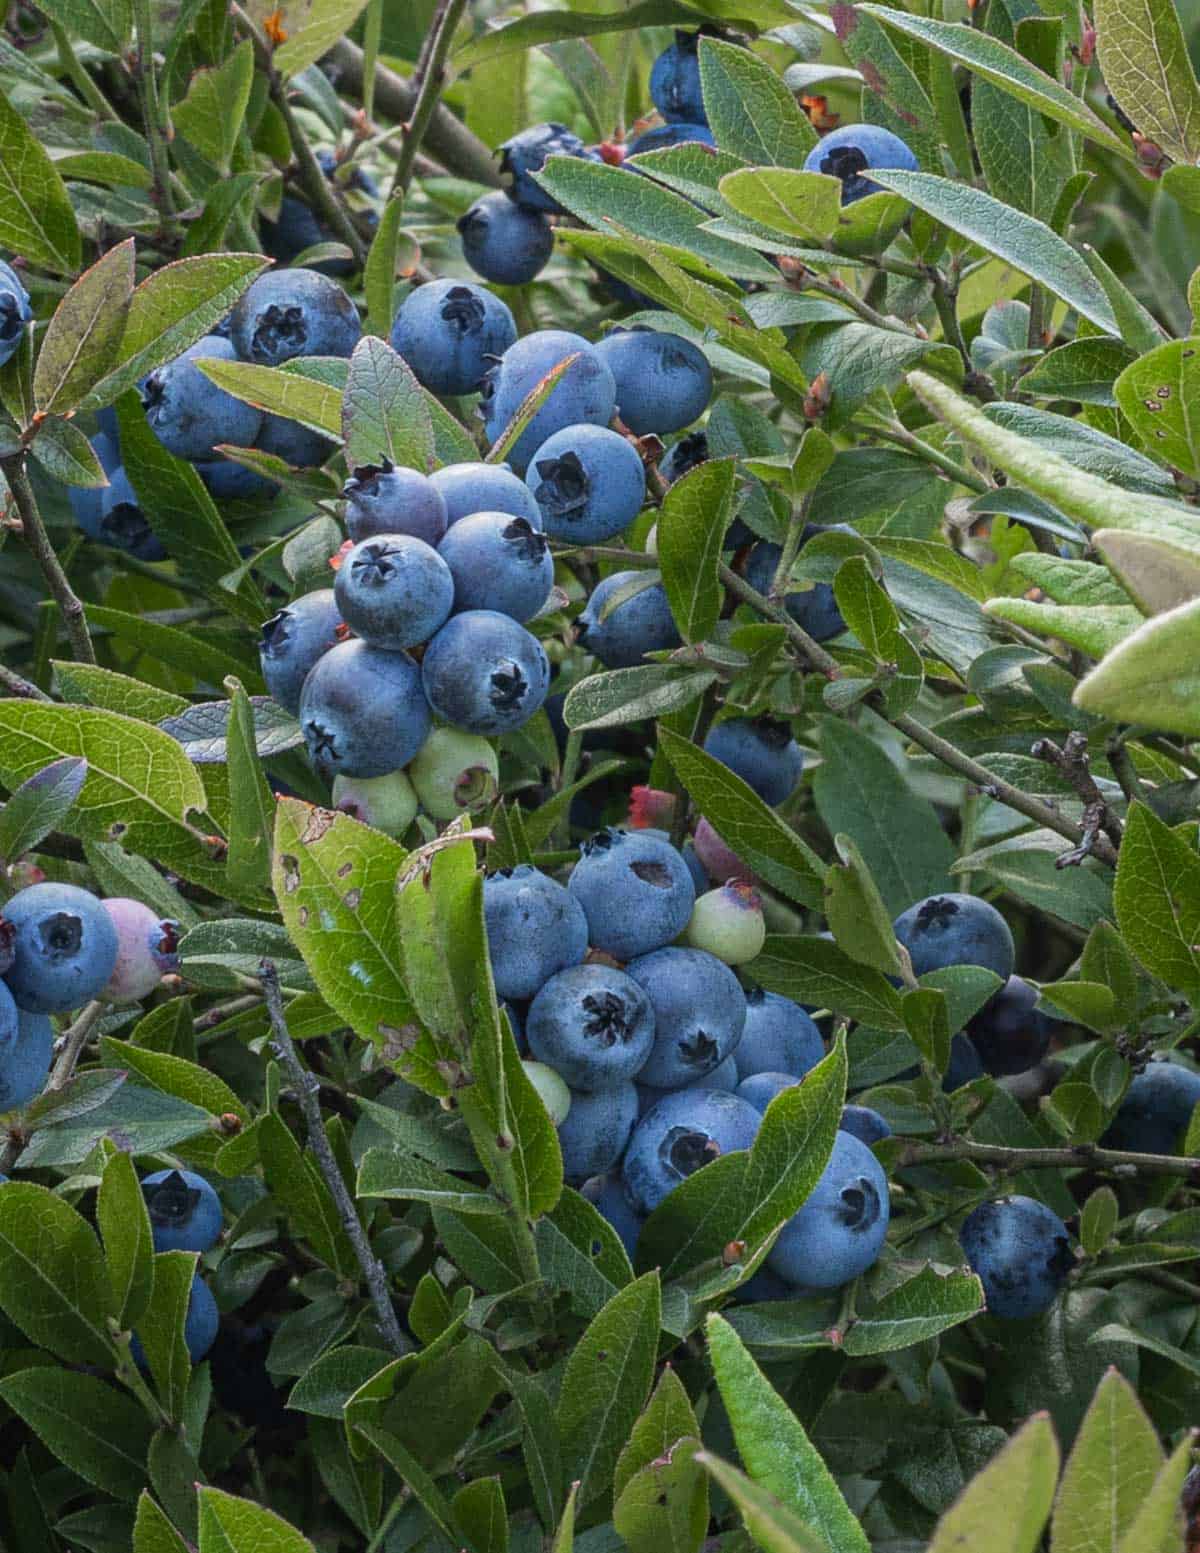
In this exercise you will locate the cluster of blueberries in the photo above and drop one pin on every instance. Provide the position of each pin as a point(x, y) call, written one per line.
point(60, 947)
point(185, 1215)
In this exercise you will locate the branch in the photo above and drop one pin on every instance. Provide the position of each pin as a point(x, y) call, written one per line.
point(1075, 1156)
point(1072, 761)
point(73, 1043)
point(16, 686)
point(36, 537)
point(428, 81)
point(152, 116)
point(306, 1087)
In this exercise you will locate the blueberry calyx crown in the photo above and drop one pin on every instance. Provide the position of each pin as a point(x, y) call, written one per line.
point(324, 741)
point(153, 394)
point(936, 913)
point(860, 1206)
point(12, 315)
point(61, 934)
point(700, 1050)
point(529, 545)
point(565, 488)
point(603, 840)
point(509, 686)
point(606, 1019)
point(276, 634)
point(685, 1150)
point(374, 564)
point(124, 526)
point(755, 995)
point(278, 328)
point(365, 478)
point(773, 732)
point(473, 220)
point(164, 943)
point(171, 1201)
point(464, 309)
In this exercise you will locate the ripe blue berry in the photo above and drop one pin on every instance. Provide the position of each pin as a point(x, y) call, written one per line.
point(699, 1014)
point(296, 444)
point(593, 1024)
point(188, 413)
point(584, 393)
point(840, 1230)
point(675, 81)
point(848, 152)
point(185, 1212)
point(293, 640)
point(1156, 1109)
point(964, 1065)
point(449, 330)
point(225, 480)
point(589, 483)
point(499, 562)
point(525, 153)
point(866, 1124)
point(485, 673)
point(664, 382)
point(288, 313)
point(955, 930)
point(814, 608)
point(596, 1130)
point(363, 711)
point(1022, 1253)
point(779, 1037)
point(202, 1320)
point(640, 623)
point(15, 312)
point(505, 243)
point(394, 591)
point(665, 135)
point(607, 1195)
point(64, 948)
point(535, 929)
point(1010, 1034)
point(681, 1134)
point(384, 499)
point(26, 1048)
point(147, 950)
point(684, 455)
point(471, 488)
point(761, 1088)
point(762, 752)
point(112, 515)
point(635, 890)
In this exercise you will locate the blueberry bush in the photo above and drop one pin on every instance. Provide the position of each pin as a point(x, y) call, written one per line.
point(600, 754)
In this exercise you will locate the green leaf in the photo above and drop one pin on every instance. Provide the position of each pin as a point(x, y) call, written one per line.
point(379, 272)
point(98, 1432)
point(335, 882)
point(128, 1245)
point(750, 111)
point(624, 696)
point(1157, 899)
point(1026, 864)
point(108, 24)
point(564, 1537)
point(774, 1447)
point(540, 1448)
point(859, 792)
point(302, 1195)
point(84, 335)
point(173, 308)
point(927, 1020)
point(1156, 394)
point(1024, 242)
point(1143, 56)
point(324, 23)
point(232, 1525)
point(804, 205)
point(1107, 960)
point(53, 1282)
point(691, 530)
point(915, 1312)
point(1084, 369)
point(175, 1075)
point(161, 1328)
point(768, 846)
point(152, 1531)
point(384, 411)
point(480, 1515)
point(1155, 1527)
point(1094, 629)
point(669, 1416)
point(866, 608)
point(252, 803)
point(605, 1385)
point(36, 218)
point(390, 1173)
point(814, 971)
point(182, 650)
point(274, 389)
point(773, 1526)
point(1112, 1466)
point(567, 1239)
point(39, 806)
point(860, 358)
point(211, 114)
point(664, 1508)
point(332, 1379)
point(1005, 1507)
point(66, 454)
point(860, 922)
point(1098, 1220)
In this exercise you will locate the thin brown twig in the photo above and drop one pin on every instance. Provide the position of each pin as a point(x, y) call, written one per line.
point(73, 1043)
point(1075, 1156)
point(428, 80)
point(70, 606)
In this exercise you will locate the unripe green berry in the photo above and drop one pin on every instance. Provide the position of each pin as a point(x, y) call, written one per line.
point(387, 803)
point(556, 1097)
point(728, 923)
point(454, 772)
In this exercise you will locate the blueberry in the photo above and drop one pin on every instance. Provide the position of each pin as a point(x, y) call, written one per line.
point(26, 1048)
point(719, 861)
point(485, 673)
point(840, 1230)
point(499, 562)
point(108, 450)
point(779, 1037)
point(846, 153)
point(699, 1014)
point(762, 752)
point(665, 135)
point(384, 499)
point(596, 1130)
point(363, 711)
point(226, 480)
point(15, 312)
point(199, 1327)
point(297, 445)
point(766, 1285)
point(675, 81)
point(525, 153)
point(964, 1065)
point(387, 803)
point(106, 419)
point(584, 393)
point(503, 242)
point(606, 1193)
point(471, 488)
point(681, 1134)
point(683, 455)
point(723, 1076)
point(448, 330)
point(64, 948)
point(394, 591)
point(288, 313)
point(589, 483)
point(1022, 1253)
point(664, 382)
point(952, 929)
point(147, 950)
point(1010, 1034)
point(117, 519)
point(864, 1123)
point(813, 608)
point(640, 623)
point(1156, 1109)
point(455, 772)
point(593, 1024)
point(296, 229)
point(188, 413)
point(635, 890)
point(535, 929)
point(728, 922)
point(293, 640)
point(761, 1088)
point(185, 1212)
